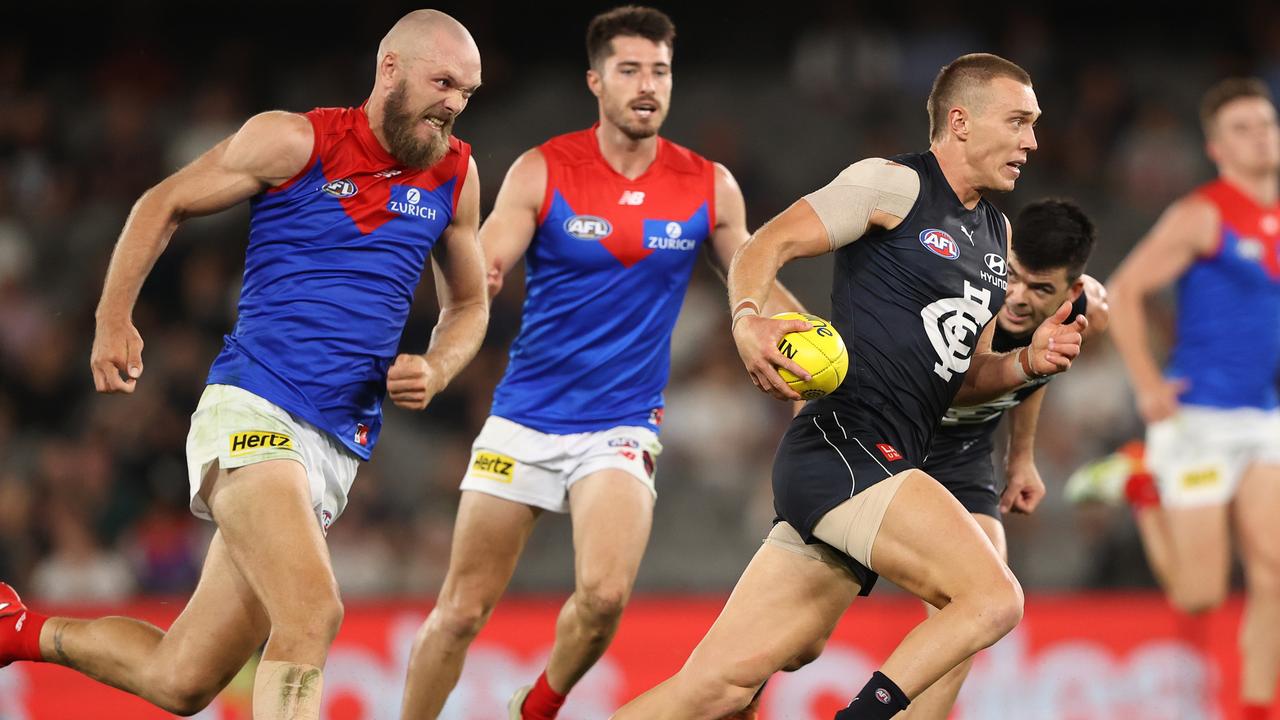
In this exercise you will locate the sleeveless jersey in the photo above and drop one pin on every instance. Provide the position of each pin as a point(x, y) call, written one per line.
point(605, 276)
point(910, 304)
point(970, 430)
point(333, 259)
point(1228, 327)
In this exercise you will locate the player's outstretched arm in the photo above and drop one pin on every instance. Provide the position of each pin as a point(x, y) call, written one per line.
point(871, 193)
point(1055, 344)
point(1186, 230)
point(458, 264)
point(730, 234)
point(509, 229)
point(269, 149)
point(1023, 489)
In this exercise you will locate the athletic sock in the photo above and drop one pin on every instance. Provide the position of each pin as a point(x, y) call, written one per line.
point(27, 626)
point(542, 703)
point(1254, 712)
point(879, 699)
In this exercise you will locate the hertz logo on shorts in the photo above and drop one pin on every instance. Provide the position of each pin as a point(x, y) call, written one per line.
point(1201, 478)
point(493, 466)
point(244, 442)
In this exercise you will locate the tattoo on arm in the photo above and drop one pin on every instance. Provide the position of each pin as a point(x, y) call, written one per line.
point(62, 658)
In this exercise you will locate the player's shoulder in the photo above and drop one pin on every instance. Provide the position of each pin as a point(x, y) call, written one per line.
point(680, 159)
point(1201, 209)
point(273, 144)
point(567, 148)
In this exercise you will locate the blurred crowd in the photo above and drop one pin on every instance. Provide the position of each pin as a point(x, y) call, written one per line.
point(93, 489)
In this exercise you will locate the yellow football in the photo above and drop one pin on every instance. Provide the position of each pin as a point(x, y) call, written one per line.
point(820, 350)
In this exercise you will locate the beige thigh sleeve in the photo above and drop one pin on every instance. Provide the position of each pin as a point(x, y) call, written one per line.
point(785, 537)
point(846, 203)
point(852, 526)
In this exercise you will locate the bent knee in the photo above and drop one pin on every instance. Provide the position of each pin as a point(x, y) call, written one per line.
point(806, 656)
point(315, 619)
point(602, 603)
point(183, 695)
point(1198, 599)
point(998, 609)
point(459, 619)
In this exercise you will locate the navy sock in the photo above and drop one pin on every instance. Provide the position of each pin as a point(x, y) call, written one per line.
point(879, 699)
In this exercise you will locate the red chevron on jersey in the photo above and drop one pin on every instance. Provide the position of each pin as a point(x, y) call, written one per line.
point(675, 185)
point(1256, 229)
point(373, 187)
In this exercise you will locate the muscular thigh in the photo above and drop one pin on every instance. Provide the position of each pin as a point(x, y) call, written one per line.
point(612, 514)
point(222, 624)
point(930, 546)
point(784, 603)
point(488, 537)
point(1256, 510)
point(265, 515)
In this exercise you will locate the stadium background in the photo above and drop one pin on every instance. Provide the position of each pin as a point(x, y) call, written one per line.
point(98, 103)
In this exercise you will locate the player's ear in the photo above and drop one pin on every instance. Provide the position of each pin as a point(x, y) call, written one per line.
point(388, 66)
point(595, 83)
point(1077, 287)
point(958, 122)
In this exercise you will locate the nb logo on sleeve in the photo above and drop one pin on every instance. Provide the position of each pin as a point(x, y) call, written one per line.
point(953, 326)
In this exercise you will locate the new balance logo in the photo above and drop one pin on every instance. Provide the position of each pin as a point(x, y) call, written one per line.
point(631, 197)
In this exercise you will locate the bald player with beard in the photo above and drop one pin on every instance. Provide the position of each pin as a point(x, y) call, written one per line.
point(346, 205)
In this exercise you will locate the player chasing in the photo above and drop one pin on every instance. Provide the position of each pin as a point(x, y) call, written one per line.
point(609, 221)
point(1213, 428)
point(1051, 244)
point(913, 295)
point(346, 205)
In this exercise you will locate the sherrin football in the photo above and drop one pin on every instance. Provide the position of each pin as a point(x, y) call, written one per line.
point(820, 350)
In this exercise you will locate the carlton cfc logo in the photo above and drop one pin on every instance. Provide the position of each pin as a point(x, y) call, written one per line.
point(940, 243)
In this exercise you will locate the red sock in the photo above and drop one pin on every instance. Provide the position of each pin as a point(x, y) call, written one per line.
point(27, 626)
point(542, 703)
point(1254, 712)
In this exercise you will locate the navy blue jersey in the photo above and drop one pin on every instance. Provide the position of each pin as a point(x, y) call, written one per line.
point(911, 303)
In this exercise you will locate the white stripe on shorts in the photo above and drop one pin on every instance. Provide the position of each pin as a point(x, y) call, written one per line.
point(853, 484)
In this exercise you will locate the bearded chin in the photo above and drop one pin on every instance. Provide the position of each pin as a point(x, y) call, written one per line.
point(406, 147)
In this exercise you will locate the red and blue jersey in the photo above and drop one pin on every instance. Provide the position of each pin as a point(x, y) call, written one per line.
point(334, 256)
point(606, 274)
point(1228, 344)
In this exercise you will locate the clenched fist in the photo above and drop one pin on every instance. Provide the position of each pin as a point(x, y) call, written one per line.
point(412, 382)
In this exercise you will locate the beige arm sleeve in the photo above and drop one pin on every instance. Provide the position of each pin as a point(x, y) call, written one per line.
point(846, 203)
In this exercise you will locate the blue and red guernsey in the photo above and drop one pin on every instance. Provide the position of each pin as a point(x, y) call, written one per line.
point(1228, 344)
point(334, 256)
point(606, 274)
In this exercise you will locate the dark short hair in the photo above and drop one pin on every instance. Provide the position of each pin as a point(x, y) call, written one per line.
point(1051, 234)
point(961, 74)
point(1224, 92)
point(629, 20)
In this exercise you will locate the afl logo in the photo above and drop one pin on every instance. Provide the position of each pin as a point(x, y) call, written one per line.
point(343, 188)
point(940, 243)
point(996, 263)
point(588, 227)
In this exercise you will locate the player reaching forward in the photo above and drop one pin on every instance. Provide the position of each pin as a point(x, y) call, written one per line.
point(346, 206)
